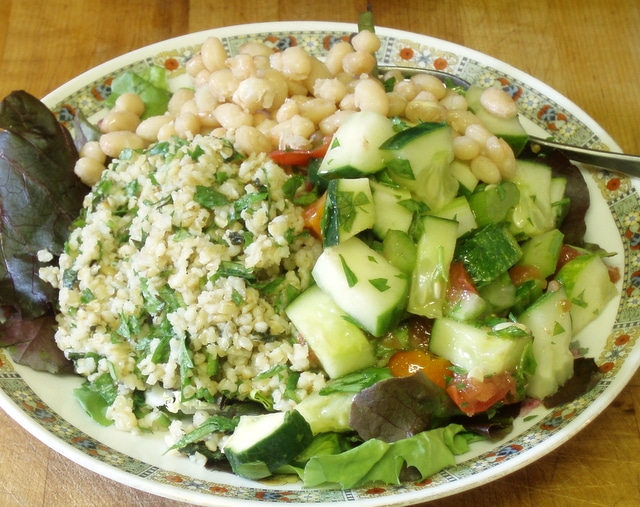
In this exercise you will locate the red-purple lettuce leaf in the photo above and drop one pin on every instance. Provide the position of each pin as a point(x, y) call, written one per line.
point(40, 197)
point(31, 343)
point(398, 408)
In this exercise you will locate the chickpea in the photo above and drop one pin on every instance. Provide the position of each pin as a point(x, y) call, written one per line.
point(112, 143)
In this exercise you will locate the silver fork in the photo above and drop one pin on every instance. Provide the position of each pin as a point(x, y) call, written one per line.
point(620, 162)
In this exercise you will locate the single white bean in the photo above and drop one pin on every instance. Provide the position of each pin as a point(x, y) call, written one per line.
point(296, 63)
point(255, 93)
point(187, 125)
point(330, 89)
point(336, 55)
point(465, 148)
point(112, 143)
point(179, 97)
point(369, 95)
point(115, 121)
point(249, 139)
point(330, 124)
point(149, 127)
point(92, 150)
point(485, 169)
point(231, 115)
point(425, 111)
point(223, 84)
point(256, 48)
point(317, 109)
point(358, 63)
point(430, 83)
point(89, 170)
point(130, 101)
point(213, 54)
point(366, 40)
point(499, 103)
point(242, 66)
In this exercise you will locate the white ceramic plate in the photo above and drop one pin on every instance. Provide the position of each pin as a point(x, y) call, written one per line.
point(43, 403)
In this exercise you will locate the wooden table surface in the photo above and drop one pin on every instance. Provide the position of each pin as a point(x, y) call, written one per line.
point(588, 50)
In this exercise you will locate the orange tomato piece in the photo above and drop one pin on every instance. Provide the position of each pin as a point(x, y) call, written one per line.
point(407, 362)
point(520, 274)
point(312, 216)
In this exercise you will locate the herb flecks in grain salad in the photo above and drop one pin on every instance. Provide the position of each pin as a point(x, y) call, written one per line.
point(302, 265)
point(174, 282)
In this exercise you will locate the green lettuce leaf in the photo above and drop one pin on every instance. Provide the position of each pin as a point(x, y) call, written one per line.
point(151, 84)
point(376, 461)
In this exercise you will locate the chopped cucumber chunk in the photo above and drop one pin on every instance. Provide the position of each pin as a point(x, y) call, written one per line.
point(348, 210)
point(491, 204)
point(326, 413)
point(533, 214)
point(418, 159)
point(261, 444)
point(430, 276)
point(588, 286)
point(488, 252)
point(460, 211)
point(511, 130)
point(480, 350)
point(363, 284)
point(354, 150)
point(549, 320)
point(340, 345)
point(390, 211)
point(543, 251)
point(400, 250)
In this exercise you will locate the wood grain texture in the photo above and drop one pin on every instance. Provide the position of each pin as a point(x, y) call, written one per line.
point(588, 50)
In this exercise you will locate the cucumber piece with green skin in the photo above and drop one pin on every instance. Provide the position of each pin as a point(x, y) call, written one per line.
point(462, 172)
point(543, 251)
point(261, 444)
point(460, 211)
point(363, 284)
point(500, 294)
point(430, 276)
point(559, 203)
point(354, 150)
point(589, 288)
point(549, 320)
point(340, 345)
point(533, 214)
point(491, 204)
point(390, 212)
point(478, 349)
point(326, 413)
point(348, 210)
point(418, 158)
point(511, 130)
point(400, 250)
point(488, 252)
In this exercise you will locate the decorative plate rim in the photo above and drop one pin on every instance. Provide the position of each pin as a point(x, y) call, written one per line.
point(562, 117)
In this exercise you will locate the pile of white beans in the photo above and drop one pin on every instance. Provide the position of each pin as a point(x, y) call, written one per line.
point(262, 100)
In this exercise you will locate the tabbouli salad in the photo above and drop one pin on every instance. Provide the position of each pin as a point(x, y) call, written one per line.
point(295, 264)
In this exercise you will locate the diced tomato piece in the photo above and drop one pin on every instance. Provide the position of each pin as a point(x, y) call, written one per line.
point(312, 216)
point(460, 282)
point(474, 396)
point(406, 363)
point(524, 273)
point(300, 157)
point(567, 253)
